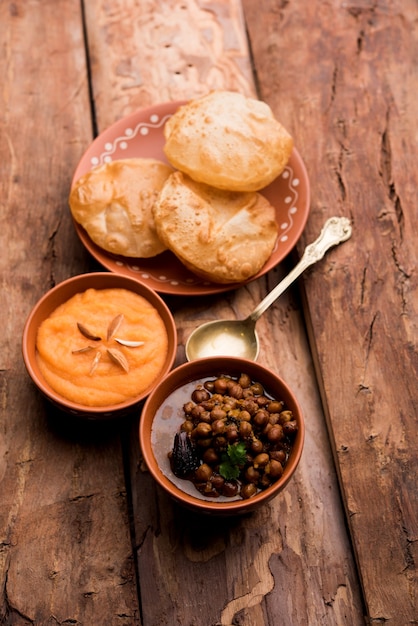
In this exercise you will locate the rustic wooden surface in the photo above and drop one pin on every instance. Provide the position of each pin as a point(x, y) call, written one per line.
point(65, 546)
point(355, 114)
point(85, 536)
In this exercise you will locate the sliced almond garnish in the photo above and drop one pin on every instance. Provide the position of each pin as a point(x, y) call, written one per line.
point(95, 363)
point(119, 358)
point(81, 350)
point(85, 331)
point(114, 326)
point(128, 343)
point(116, 355)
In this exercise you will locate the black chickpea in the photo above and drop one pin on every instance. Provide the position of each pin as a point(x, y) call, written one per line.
point(202, 430)
point(285, 416)
point(244, 416)
point(235, 390)
point(262, 401)
point(220, 385)
point(220, 443)
point(278, 455)
point(204, 443)
point(244, 380)
point(275, 469)
point(290, 427)
point(218, 427)
point(261, 460)
point(210, 456)
point(275, 406)
point(187, 426)
point(197, 411)
point(203, 472)
point(218, 482)
point(231, 433)
point(256, 446)
point(200, 395)
point(252, 475)
point(273, 418)
point(245, 429)
point(239, 437)
point(275, 433)
point(261, 418)
point(248, 491)
point(218, 414)
point(230, 488)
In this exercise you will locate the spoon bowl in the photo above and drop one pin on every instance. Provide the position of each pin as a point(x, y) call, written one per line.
point(224, 337)
point(239, 337)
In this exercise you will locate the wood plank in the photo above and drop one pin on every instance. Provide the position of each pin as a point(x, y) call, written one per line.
point(253, 569)
point(343, 77)
point(154, 52)
point(65, 549)
point(297, 542)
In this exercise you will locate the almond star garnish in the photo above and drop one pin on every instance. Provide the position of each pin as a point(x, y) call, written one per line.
point(114, 354)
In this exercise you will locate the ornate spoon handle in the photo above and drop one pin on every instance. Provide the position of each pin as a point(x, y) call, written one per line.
point(335, 231)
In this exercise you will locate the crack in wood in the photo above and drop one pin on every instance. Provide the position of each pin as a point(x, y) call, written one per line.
point(257, 594)
point(360, 40)
point(82, 497)
point(407, 541)
point(51, 254)
point(356, 10)
point(334, 84)
point(409, 557)
point(369, 341)
point(10, 612)
point(387, 176)
point(403, 280)
point(363, 284)
point(339, 174)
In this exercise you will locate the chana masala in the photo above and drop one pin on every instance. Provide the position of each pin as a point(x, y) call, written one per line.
point(102, 347)
point(235, 439)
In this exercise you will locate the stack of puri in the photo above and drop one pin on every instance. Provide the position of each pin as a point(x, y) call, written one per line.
point(205, 206)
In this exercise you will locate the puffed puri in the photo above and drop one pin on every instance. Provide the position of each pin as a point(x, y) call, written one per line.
point(228, 141)
point(113, 202)
point(222, 236)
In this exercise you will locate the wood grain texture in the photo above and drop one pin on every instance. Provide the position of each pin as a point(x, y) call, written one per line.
point(161, 50)
point(253, 569)
point(343, 78)
point(65, 549)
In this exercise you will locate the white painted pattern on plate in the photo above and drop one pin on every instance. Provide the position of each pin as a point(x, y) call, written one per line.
point(116, 148)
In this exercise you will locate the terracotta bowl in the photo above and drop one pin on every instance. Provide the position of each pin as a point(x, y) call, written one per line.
point(63, 292)
point(162, 416)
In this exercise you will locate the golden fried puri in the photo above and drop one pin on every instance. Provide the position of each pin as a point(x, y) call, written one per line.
point(223, 236)
point(113, 203)
point(227, 141)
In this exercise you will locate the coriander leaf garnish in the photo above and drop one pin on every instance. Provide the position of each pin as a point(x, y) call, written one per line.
point(232, 459)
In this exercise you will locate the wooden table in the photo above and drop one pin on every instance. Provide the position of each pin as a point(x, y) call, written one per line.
point(86, 537)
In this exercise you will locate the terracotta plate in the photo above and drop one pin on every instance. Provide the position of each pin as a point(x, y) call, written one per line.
point(141, 135)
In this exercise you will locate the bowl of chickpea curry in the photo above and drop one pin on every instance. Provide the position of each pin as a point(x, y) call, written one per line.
point(222, 435)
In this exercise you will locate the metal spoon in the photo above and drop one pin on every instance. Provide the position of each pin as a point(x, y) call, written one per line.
point(239, 337)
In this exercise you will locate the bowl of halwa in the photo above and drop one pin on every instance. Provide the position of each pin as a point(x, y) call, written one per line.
point(97, 344)
point(221, 435)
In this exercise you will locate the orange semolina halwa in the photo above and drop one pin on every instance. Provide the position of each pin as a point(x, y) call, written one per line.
point(68, 355)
